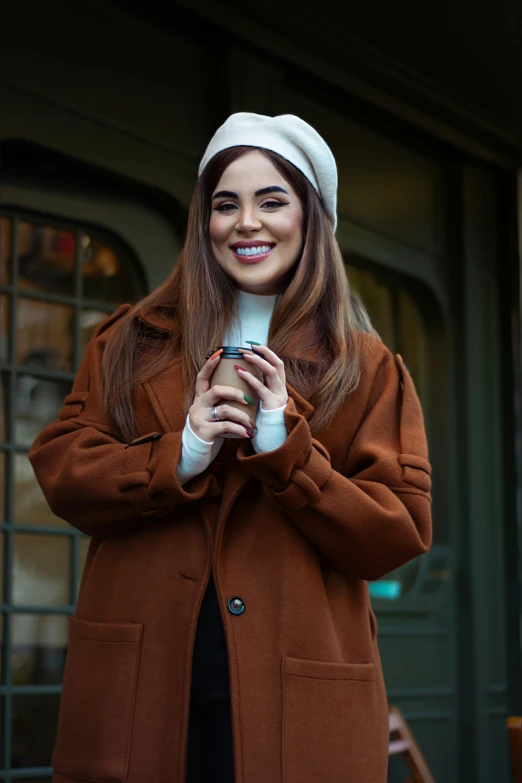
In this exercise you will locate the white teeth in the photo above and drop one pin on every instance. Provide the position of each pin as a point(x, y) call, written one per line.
point(252, 251)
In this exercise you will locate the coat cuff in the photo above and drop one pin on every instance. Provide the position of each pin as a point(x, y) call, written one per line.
point(150, 480)
point(296, 471)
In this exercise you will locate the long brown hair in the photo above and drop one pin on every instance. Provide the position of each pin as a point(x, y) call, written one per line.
point(317, 292)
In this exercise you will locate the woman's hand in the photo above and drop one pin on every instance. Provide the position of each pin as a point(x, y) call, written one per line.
point(273, 392)
point(231, 421)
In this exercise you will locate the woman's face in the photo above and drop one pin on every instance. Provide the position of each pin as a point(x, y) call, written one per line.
point(256, 224)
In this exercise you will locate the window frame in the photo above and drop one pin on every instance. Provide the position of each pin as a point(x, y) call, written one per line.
point(12, 370)
point(436, 392)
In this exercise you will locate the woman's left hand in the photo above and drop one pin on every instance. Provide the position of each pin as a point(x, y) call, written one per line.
point(273, 392)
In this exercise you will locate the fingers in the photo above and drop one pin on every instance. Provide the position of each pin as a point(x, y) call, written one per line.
point(205, 374)
point(230, 413)
point(269, 363)
point(209, 431)
point(236, 423)
point(272, 395)
point(218, 393)
point(257, 385)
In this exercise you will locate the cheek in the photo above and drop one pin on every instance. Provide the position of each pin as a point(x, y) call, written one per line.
point(292, 230)
point(217, 230)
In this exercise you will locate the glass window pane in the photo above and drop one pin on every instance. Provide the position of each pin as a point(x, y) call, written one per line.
point(4, 407)
point(38, 402)
point(412, 340)
point(41, 570)
point(34, 718)
point(45, 334)
point(38, 648)
point(4, 327)
point(30, 505)
point(104, 276)
point(377, 298)
point(46, 259)
point(89, 321)
point(5, 250)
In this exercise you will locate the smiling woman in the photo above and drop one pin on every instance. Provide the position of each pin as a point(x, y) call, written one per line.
point(256, 232)
point(260, 662)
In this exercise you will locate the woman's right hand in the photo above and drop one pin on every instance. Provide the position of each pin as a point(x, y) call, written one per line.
point(232, 421)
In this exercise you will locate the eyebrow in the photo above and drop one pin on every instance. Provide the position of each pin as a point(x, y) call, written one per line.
point(262, 192)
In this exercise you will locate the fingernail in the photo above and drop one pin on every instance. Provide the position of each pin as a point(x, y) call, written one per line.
point(252, 342)
point(248, 399)
point(250, 433)
point(237, 367)
point(217, 353)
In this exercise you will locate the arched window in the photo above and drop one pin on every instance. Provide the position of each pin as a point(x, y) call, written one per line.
point(404, 326)
point(57, 282)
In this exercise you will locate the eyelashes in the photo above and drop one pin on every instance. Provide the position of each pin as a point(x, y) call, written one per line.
point(267, 205)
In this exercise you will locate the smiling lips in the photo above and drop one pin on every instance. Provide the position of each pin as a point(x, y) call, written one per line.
point(250, 252)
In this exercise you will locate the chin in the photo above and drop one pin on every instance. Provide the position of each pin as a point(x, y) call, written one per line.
point(258, 286)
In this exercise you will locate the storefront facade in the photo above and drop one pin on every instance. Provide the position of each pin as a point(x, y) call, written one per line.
point(101, 136)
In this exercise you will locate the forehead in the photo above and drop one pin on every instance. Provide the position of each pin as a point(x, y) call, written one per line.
point(251, 172)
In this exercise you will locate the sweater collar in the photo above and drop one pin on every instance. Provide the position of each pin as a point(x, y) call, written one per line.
point(305, 343)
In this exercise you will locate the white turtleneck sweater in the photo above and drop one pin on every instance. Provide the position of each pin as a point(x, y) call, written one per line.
point(255, 313)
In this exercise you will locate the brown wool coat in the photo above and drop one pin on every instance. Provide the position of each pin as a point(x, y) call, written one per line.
point(295, 533)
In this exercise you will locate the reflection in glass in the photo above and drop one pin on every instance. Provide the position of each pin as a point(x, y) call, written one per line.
point(89, 321)
point(45, 334)
point(34, 719)
point(38, 648)
point(4, 327)
point(46, 259)
point(104, 276)
point(30, 505)
point(38, 402)
point(397, 583)
point(41, 570)
point(5, 250)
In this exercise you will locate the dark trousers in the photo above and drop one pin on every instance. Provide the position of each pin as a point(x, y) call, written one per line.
point(210, 757)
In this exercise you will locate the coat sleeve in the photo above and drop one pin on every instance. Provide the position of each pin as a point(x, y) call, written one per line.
point(94, 481)
point(374, 515)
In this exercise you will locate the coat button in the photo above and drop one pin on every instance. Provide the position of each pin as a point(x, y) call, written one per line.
point(236, 605)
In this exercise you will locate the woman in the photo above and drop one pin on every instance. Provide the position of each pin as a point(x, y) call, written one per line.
point(223, 629)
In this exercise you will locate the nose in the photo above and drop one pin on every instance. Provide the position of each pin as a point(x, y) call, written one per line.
point(247, 220)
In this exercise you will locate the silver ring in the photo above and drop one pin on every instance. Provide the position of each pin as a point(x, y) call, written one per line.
point(213, 413)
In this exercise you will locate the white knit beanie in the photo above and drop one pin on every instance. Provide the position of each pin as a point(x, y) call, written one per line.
point(290, 137)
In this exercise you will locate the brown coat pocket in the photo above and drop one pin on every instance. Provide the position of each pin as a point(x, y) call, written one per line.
point(96, 711)
point(330, 715)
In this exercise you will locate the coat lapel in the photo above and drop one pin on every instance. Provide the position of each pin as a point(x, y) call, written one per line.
point(166, 394)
